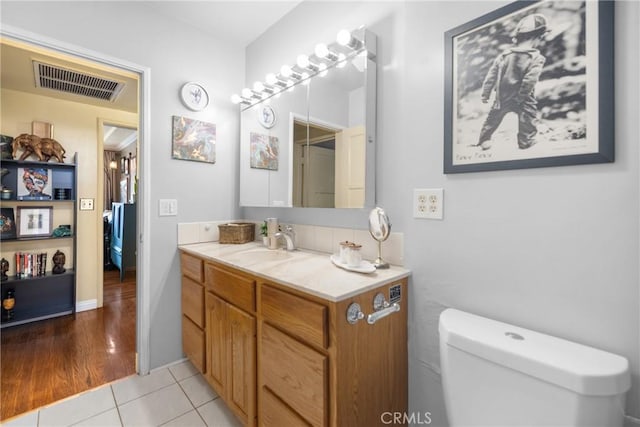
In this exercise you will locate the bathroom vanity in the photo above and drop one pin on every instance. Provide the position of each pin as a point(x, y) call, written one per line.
point(287, 338)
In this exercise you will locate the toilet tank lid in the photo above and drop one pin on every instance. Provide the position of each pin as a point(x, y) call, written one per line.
point(583, 369)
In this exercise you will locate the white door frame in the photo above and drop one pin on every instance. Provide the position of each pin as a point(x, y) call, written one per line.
point(143, 266)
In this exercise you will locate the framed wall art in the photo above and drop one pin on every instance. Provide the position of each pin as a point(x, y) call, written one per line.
point(530, 85)
point(34, 183)
point(194, 140)
point(35, 221)
point(264, 151)
point(7, 224)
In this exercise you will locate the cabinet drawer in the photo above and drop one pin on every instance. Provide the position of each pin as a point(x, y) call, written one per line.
point(193, 301)
point(274, 413)
point(236, 289)
point(296, 373)
point(300, 317)
point(193, 343)
point(191, 267)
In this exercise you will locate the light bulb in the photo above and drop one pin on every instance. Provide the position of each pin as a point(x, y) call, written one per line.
point(321, 50)
point(258, 86)
point(305, 78)
point(286, 71)
point(271, 79)
point(302, 61)
point(344, 37)
point(236, 99)
point(247, 93)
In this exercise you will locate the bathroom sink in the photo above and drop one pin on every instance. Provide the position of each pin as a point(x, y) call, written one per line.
point(259, 255)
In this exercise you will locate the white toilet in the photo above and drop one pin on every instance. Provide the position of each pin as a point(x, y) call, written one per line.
point(495, 374)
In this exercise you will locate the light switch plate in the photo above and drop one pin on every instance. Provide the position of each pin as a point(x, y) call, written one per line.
point(86, 204)
point(167, 207)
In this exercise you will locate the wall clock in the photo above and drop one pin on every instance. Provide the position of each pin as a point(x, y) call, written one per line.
point(194, 96)
point(266, 116)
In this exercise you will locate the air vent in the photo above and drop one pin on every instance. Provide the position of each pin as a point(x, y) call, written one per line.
point(70, 81)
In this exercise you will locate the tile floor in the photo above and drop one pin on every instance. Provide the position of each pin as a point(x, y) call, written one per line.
point(177, 395)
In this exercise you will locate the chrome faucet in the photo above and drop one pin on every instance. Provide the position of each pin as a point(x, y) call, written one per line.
point(289, 235)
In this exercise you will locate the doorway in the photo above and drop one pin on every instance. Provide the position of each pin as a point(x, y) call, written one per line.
point(141, 323)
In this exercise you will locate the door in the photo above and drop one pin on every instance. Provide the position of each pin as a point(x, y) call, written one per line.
point(350, 167)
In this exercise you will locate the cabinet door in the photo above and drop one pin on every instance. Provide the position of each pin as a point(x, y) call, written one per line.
point(216, 340)
point(241, 387)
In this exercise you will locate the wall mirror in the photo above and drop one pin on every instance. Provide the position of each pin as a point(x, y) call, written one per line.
point(308, 132)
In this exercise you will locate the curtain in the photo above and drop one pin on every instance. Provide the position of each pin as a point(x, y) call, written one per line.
point(110, 181)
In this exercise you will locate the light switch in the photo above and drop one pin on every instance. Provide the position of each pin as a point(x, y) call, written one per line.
point(168, 207)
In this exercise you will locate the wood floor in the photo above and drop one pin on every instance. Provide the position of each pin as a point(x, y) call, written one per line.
point(46, 361)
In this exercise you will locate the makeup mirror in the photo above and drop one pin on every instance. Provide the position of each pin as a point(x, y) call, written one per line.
point(379, 227)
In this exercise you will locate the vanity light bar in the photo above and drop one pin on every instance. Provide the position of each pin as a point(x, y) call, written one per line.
point(348, 45)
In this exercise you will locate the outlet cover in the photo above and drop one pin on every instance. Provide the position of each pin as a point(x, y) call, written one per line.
point(428, 203)
point(86, 204)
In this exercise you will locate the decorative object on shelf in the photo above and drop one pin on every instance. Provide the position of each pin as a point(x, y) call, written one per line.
point(379, 227)
point(193, 140)
point(4, 267)
point(194, 96)
point(35, 221)
point(34, 184)
point(6, 147)
point(8, 303)
point(62, 193)
point(59, 259)
point(5, 193)
point(62, 231)
point(42, 129)
point(43, 148)
point(266, 116)
point(264, 151)
point(564, 106)
point(7, 224)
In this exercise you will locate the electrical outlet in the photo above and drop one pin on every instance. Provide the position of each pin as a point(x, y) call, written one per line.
point(428, 203)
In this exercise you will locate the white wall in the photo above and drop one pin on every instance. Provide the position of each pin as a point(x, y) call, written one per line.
point(552, 249)
point(175, 54)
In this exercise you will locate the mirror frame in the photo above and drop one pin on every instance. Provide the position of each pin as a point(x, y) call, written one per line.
point(370, 86)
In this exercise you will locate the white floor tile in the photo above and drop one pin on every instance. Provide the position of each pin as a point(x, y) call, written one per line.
point(183, 370)
point(137, 385)
point(190, 419)
point(198, 390)
point(29, 419)
point(216, 414)
point(111, 418)
point(79, 408)
point(155, 408)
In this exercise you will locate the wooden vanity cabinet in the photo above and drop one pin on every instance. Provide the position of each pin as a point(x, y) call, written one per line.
point(320, 370)
point(193, 335)
point(230, 326)
point(282, 357)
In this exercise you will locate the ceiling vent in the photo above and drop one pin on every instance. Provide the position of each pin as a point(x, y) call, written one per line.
point(70, 81)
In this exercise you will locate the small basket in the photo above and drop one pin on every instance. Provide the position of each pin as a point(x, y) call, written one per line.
point(237, 232)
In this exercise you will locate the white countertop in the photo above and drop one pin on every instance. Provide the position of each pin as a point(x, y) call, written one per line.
point(307, 271)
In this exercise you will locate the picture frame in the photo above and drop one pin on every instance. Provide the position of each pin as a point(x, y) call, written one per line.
point(264, 151)
point(36, 221)
point(561, 113)
point(34, 183)
point(193, 140)
point(7, 224)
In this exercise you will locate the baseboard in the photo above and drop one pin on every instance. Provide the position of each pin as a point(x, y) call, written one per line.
point(85, 305)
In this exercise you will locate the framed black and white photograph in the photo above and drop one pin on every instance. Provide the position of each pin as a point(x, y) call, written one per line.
point(35, 221)
point(530, 85)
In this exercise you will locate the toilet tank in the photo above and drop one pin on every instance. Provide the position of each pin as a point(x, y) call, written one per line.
point(496, 374)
